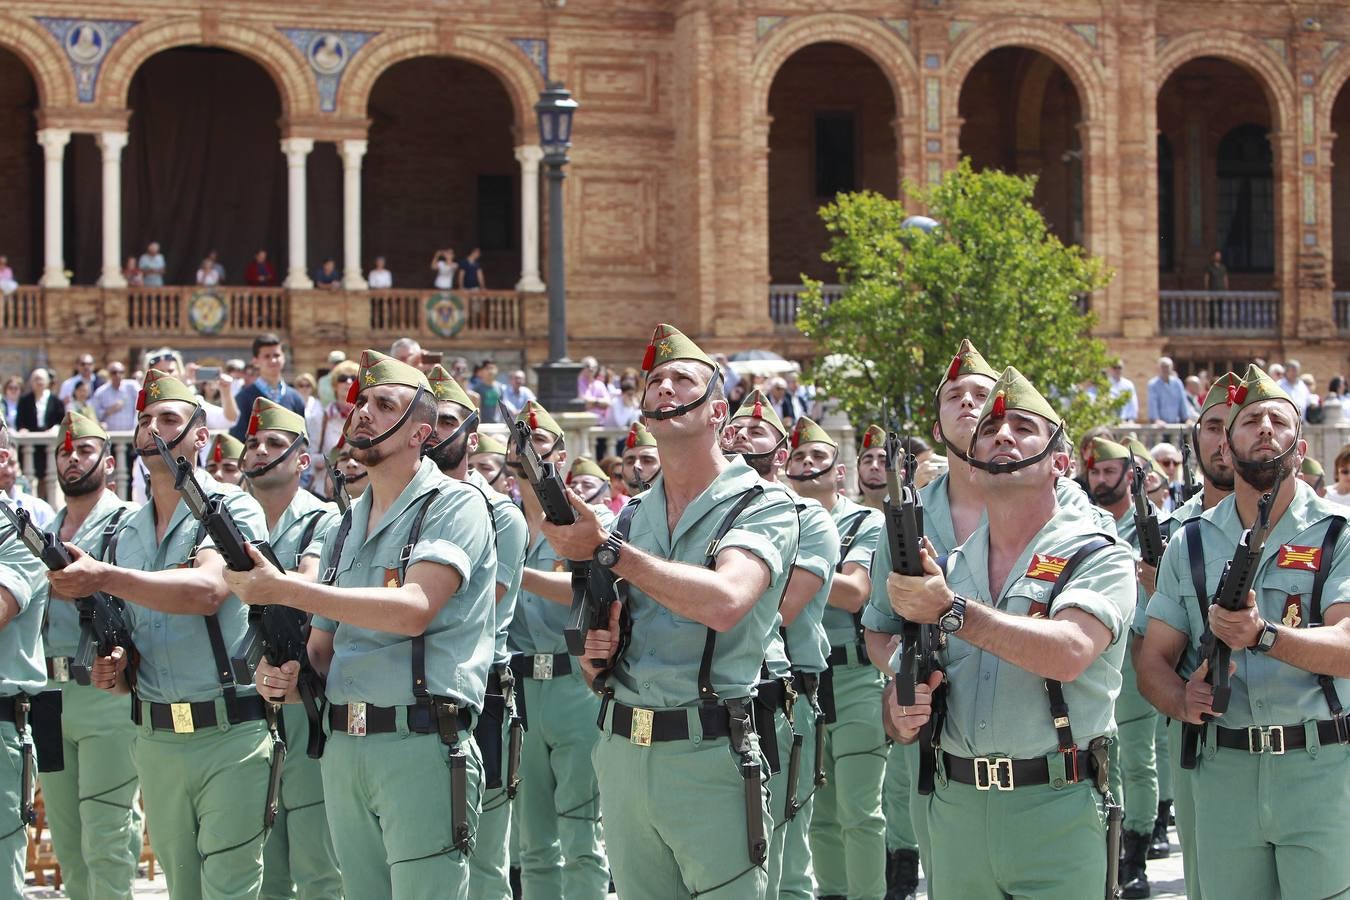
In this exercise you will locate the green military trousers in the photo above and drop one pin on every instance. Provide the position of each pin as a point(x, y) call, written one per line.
point(205, 794)
point(1137, 722)
point(1036, 841)
point(298, 857)
point(896, 792)
point(1160, 748)
point(13, 833)
point(1183, 802)
point(798, 875)
point(848, 830)
point(778, 796)
point(389, 811)
point(675, 818)
point(1273, 826)
point(489, 864)
point(558, 805)
point(91, 804)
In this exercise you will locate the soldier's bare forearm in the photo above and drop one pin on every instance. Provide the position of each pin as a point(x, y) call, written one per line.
point(1325, 651)
point(1060, 648)
point(718, 598)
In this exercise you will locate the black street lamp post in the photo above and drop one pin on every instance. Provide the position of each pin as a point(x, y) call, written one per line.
point(557, 376)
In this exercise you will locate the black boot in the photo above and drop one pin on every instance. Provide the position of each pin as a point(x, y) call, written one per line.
point(1133, 877)
point(514, 876)
point(902, 874)
point(1158, 847)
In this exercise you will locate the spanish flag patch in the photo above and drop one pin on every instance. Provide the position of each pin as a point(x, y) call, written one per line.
point(1295, 557)
point(1046, 568)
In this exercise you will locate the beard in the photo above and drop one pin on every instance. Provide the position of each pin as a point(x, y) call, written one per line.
point(1259, 473)
point(881, 485)
point(86, 484)
point(1109, 495)
point(761, 464)
point(450, 457)
point(368, 456)
point(1221, 480)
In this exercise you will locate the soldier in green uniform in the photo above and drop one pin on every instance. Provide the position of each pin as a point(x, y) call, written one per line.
point(299, 850)
point(355, 478)
point(1311, 473)
point(1011, 653)
point(222, 459)
point(202, 746)
point(953, 508)
point(561, 851)
point(1271, 781)
point(848, 845)
point(705, 560)
point(488, 459)
point(1110, 475)
point(450, 447)
point(91, 804)
point(1208, 438)
point(758, 435)
point(403, 627)
point(641, 459)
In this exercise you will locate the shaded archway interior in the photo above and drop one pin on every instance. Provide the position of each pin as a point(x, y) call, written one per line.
point(440, 171)
point(1340, 189)
point(1020, 113)
point(20, 170)
point(1215, 117)
point(833, 112)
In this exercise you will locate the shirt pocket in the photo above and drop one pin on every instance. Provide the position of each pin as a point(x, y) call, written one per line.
point(1285, 596)
point(1029, 597)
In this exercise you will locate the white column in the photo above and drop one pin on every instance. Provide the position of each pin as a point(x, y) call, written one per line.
point(529, 155)
point(53, 141)
point(111, 143)
point(352, 152)
point(297, 152)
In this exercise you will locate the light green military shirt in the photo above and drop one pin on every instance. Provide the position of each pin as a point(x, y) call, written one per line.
point(22, 668)
point(538, 623)
point(660, 668)
point(840, 625)
point(997, 709)
point(376, 666)
point(512, 536)
point(1168, 525)
point(176, 662)
point(808, 647)
point(1265, 690)
point(304, 509)
point(62, 634)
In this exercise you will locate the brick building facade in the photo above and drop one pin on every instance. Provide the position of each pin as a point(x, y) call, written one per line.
point(709, 132)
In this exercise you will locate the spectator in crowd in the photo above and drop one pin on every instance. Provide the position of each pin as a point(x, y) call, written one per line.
point(1313, 412)
point(379, 277)
point(591, 388)
point(152, 265)
point(78, 402)
point(335, 415)
point(803, 395)
point(1194, 398)
point(207, 273)
point(213, 261)
point(269, 357)
point(443, 264)
point(8, 284)
point(260, 272)
point(1339, 490)
point(730, 377)
point(1167, 403)
point(516, 393)
point(114, 402)
point(471, 274)
point(407, 350)
point(626, 408)
point(39, 410)
point(308, 389)
point(1216, 274)
point(458, 367)
point(1169, 458)
point(618, 491)
point(1293, 385)
point(13, 390)
point(132, 273)
point(1119, 384)
point(784, 403)
point(11, 474)
point(328, 278)
point(484, 384)
point(84, 372)
point(1335, 388)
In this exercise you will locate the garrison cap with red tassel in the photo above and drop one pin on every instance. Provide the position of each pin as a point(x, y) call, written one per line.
point(1255, 387)
point(874, 436)
point(668, 344)
point(638, 436)
point(270, 416)
point(1012, 390)
point(445, 387)
point(163, 386)
point(488, 443)
point(967, 361)
point(758, 406)
point(377, 368)
point(76, 426)
point(806, 431)
point(225, 446)
point(586, 466)
point(538, 418)
point(1221, 391)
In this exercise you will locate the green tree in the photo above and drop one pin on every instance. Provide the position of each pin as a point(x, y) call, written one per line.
point(990, 271)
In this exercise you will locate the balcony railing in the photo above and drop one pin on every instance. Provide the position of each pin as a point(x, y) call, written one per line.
point(23, 311)
point(1248, 313)
point(1340, 306)
point(446, 313)
point(213, 310)
point(785, 299)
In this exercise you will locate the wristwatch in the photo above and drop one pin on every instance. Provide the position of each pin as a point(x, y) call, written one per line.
point(954, 618)
point(1267, 639)
point(607, 554)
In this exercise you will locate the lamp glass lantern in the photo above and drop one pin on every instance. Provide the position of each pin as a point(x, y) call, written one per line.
point(555, 109)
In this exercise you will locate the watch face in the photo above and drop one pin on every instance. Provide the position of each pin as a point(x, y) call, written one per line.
point(606, 557)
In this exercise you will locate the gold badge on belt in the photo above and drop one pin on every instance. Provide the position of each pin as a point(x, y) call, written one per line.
point(356, 718)
point(182, 718)
point(641, 733)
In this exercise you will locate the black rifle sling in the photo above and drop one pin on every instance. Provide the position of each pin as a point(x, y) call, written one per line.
point(622, 525)
point(418, 650)
point(1059, 707)
point(705, 685)
point(1326, 682)
point(218, 651)
point(1195, 550)
point(846, 538)
point(311, 526)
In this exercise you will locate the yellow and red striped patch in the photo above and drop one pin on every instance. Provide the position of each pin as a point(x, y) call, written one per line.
point(1293, 556)
point(1045, 567)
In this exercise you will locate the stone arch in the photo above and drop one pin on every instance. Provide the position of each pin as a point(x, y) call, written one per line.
point(518, 75)
point(269, 49)
point(1255, 58)
point(868, 36)
point(1032, 101)
point(1061, 44)
point(44, 57)
point(1334, 80)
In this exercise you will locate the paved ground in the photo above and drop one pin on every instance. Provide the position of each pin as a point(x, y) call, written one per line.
point(1164, 874)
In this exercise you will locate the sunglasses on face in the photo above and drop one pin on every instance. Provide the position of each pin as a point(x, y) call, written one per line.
point(346, 379)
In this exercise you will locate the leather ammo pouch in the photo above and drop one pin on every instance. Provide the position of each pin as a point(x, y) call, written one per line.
point(743, 746)
point(825, 696)
point(447, 726)
point(44, 719)
point(488, 734)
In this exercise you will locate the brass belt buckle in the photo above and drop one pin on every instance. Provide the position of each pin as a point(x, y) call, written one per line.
point(60, 669)
point(543, 666)
point(182, 718)
point(641, 732)
point(356, 718)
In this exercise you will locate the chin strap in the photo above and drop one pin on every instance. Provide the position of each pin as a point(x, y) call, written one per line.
point(951, 448)
point(681, 410)
point(437, 451)
point(812, 476)
point(644, 484)
point(198, 415)
point(362, 443)
point(98, 463)
point(1275, 462)
point(767, 454)
point(263, 470)
point(1005, 468)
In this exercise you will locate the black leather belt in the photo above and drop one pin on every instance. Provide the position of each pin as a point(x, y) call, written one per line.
point(384, 719)
point(1276, 739)
point(7, 709)
point(1004, 774)
point(667, 724)
point(541, 666)
point(188, 717)
point(771, 694)
point(839, 656)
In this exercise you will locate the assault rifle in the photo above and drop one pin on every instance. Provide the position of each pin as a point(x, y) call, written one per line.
point(1145, 519)
point(903, 510)
point(103, 623)
point(1189, 487)
point(1234, 585)
point(340, 495)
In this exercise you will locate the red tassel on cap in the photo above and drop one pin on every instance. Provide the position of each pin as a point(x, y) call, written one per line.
point(1236, 394)
point(342, 441)
point(254, 421)
point(353, 391)
point(217, 454)
point(140, 401)
point(796, 435)
point(631, 442)
point(758, 411)
point(534, 420)
point(955, 368)
point(69, 444)
point(1000, 406)
point(1091, 461)
point(867, 440)
point(649, 357)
